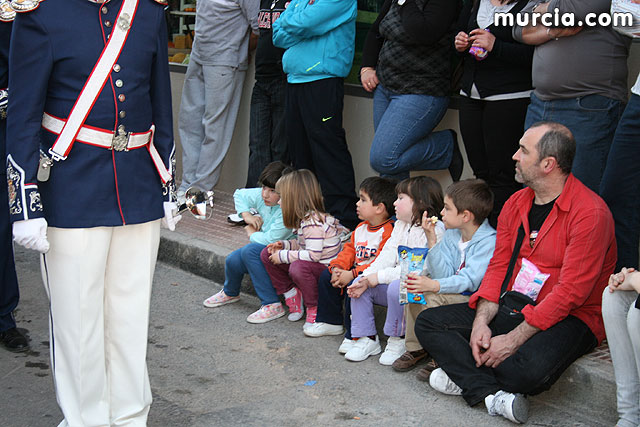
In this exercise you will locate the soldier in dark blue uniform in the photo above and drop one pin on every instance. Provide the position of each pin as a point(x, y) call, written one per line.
point(10, 337)
point(90, 174)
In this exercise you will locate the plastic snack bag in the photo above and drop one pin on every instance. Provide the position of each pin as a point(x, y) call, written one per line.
point(529, 280)
point(411, 260)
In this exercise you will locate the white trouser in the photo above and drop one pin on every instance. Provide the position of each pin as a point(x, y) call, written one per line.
point(622, 323)
point(208, 111)
point(99, 286)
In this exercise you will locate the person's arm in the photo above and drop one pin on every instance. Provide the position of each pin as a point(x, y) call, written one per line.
point(246, 198)
point(313, 245)
point(277, 231)
point(539, 34)
point(429, 25)
point(347, 256)
point(374, 40)
point(250, 10)
point(480, 338)
point(30, 65)
point(313, 20)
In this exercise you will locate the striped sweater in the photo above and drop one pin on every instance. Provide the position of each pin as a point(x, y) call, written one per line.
point(317, 241)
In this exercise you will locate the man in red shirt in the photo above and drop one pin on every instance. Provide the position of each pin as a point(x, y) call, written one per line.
point(485, 350)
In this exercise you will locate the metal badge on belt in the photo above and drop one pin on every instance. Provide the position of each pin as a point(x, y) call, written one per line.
point(4, 98)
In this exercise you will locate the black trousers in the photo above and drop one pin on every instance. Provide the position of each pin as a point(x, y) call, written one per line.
point(445, 331)
point(9, 294)
point(317, 142)
point(330, 301)
point(491, 131)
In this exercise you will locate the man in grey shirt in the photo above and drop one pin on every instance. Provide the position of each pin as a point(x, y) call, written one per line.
point(213, 86)
point(580, 80)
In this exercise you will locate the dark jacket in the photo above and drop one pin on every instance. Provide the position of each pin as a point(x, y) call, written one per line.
point(507, 68)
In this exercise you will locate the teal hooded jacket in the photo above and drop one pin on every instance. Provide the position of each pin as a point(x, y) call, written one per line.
point(319, 38)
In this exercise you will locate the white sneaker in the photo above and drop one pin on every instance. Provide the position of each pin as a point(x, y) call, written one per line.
point(363, 348)
point(440, 381)
point(395, 348)
point(346, 345)
point(320, 329)
point(180, 198)
point(514, 407)
point(235, 219)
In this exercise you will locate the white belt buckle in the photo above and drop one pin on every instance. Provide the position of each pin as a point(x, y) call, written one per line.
point(120, 141)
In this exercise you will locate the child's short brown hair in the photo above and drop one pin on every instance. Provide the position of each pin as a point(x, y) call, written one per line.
point(473, 195)
point(272, 173)
point(380, 190)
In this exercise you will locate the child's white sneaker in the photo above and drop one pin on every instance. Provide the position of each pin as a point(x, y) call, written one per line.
point(363, 348)
point(346, 345)
point(321, 329)
point(395, 348)
point(440, 381)
point(514, 407)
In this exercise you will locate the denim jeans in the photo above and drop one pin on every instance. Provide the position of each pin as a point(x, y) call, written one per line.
point(404, 139)
point(330, 302)
point(445, 331)
point(619, 187)
point(247, 260)
point(622, 322)
point(592, 119)
point(267, 137)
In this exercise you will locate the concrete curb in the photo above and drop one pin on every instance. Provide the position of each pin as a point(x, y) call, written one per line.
point(586, 387)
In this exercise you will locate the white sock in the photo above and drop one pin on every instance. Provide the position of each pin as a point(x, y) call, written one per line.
point(290, 293)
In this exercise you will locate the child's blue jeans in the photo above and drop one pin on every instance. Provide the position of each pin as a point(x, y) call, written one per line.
point(247, 260)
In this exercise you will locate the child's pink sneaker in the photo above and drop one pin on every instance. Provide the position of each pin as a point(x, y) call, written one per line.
point(219, 299)
point(312, 312)
point(295, 305)
point(266, 313)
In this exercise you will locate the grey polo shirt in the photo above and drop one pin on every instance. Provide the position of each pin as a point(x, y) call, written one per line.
point(594, 61)
point(222, 31)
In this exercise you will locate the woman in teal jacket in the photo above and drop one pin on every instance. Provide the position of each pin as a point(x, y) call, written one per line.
point(319, 38)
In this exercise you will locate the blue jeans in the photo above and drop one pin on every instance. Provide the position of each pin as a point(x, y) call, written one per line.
point(445, 331)
point(592, 119)
point(619, 187)
point(404, 139)
point(267, 137)
point(247, 260)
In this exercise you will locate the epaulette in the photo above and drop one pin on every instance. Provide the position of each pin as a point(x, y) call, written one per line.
point(162, 2)
point(11, 7)
point(7, 14)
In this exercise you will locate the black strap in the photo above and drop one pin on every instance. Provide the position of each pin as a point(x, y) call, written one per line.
point(512, 262)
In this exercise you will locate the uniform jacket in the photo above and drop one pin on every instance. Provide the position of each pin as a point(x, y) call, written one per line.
point(272, 227)
point(361, 249)
point(405, 234)
point(576, 245)
point(319, 38)
point(5, 36)
point(444, 259)
point(53, 50)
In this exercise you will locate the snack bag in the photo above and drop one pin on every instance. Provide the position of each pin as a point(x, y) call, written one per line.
point(411, 260)
point(529, 280)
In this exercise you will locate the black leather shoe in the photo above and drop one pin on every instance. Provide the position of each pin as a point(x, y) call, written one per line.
point(457, 163)
point(14, 341)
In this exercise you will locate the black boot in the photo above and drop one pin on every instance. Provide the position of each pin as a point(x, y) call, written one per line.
point(14, 340)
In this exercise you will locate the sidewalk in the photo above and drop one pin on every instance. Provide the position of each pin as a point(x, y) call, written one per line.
point(200, 247)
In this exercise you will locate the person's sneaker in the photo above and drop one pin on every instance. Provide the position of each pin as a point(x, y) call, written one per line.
point(440, 381)
point(219, 299)
point(236, 219)
point(180, 198)
point(312, 313)
point(393, 350)
point(457, 163)
point(409, 360)
point(267, 313)
point(321, 329)
point(346, 345)
point(363, 348)
point(424, 373)
point(295, 306)
point(514, 407)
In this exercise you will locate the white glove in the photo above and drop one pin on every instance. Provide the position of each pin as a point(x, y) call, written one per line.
point(32, 234)
point(169, 221)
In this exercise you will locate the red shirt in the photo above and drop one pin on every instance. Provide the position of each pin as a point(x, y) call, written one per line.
point(575, 245)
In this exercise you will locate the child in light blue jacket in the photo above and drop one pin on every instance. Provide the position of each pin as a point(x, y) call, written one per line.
point(264, 227)
point(456, 264)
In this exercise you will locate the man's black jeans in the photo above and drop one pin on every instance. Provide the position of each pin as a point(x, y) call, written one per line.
point(444, 332)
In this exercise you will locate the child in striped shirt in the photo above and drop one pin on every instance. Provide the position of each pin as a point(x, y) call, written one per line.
point(295, 265)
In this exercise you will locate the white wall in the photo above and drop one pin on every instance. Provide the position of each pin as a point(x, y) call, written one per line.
point(358, 125)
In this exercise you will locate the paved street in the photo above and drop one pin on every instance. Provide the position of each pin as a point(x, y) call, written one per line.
point(209, 367)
